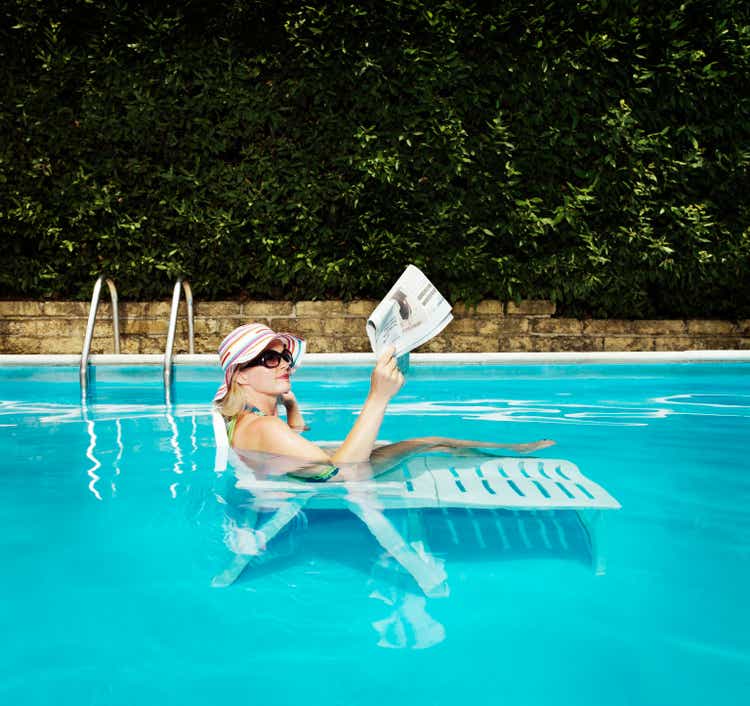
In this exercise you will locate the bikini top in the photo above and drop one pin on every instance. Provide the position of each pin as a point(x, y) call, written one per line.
point(232, 424)
point(327, 473)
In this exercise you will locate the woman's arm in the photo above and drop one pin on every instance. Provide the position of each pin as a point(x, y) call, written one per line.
point(386, 380)
point(294, 416)
point(272, 435)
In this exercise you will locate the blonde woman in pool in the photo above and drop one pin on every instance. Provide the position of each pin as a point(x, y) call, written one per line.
point(258, 364)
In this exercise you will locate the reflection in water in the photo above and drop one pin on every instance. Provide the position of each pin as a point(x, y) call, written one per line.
point(271, 523)
point(95, 447)
point(174, 442)
point(408, 625)
point(545, 411)
point(120, 452)
point(90, 453)
point(92, 472)
point(554, 411)
point(193, 441)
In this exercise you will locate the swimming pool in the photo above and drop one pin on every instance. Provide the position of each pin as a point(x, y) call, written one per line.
point(111, 531)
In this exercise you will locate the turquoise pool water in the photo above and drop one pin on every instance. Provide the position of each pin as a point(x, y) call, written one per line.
point(111, 529)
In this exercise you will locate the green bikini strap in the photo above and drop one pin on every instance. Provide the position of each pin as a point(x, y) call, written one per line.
point(232, 424)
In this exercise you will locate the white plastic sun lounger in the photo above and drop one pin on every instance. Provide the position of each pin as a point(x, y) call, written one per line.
point(442, 481)
point(428, 481)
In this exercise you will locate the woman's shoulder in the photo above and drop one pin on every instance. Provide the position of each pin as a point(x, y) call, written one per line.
point(273, 435)
point(252, 428)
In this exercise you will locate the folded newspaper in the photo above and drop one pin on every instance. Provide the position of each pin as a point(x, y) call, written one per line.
point(411, 314)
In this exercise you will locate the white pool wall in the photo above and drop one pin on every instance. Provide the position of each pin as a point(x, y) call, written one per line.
point(416, 358)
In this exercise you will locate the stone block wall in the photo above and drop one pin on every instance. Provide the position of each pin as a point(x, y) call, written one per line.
point(335, 326)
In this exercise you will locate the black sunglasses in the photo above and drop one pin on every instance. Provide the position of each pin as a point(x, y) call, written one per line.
point(271, 359)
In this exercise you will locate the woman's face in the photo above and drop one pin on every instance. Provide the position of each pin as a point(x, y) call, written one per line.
point(268, 381)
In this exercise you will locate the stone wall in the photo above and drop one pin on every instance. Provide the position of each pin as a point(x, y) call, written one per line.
point(333, 326)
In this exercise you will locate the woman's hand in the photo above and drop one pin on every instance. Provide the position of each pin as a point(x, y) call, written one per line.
point(288, 399)
point(386, 379)
point(294, 416)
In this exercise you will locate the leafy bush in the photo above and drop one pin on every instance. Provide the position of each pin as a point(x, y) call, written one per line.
point(594, 153)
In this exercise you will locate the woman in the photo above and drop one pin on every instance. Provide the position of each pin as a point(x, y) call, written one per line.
point(258, 365)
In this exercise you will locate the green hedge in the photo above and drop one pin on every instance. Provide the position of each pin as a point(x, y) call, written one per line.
point(594, 153)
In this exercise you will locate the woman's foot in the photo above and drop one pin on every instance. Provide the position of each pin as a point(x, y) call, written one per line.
point(531, 446)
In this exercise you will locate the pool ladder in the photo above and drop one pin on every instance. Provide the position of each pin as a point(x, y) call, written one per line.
point(83, 370)
point(181, 285)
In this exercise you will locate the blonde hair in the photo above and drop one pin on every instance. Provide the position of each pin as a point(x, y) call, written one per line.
point(233, 402)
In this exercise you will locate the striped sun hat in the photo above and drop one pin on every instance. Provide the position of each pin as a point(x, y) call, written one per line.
point(248, 342)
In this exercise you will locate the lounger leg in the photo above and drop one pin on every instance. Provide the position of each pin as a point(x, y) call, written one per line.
point(428, 573)
point(593, 522)
point(260, 538)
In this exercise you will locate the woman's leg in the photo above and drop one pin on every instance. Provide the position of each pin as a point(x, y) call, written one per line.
point(384, 458)
point(443, 443)
point(387, 457)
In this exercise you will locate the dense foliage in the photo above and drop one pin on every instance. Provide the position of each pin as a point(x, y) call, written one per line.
point(595, 153)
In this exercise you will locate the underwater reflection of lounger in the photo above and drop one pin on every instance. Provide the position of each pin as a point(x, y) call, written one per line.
point(424, 481)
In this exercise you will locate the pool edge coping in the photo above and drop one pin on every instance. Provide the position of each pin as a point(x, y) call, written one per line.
point(715, 356)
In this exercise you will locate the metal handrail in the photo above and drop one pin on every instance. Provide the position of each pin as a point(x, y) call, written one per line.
point(183, 285)
point(93, 307)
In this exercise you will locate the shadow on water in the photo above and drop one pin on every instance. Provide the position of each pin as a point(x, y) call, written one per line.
point(453, 535)
point(407, 566)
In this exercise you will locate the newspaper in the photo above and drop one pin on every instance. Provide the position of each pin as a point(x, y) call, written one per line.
point(411, 314)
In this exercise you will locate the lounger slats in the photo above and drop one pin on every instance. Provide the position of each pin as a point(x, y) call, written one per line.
point(516, 482)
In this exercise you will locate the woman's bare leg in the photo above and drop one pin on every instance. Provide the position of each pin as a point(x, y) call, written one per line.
point(384, 458)
point(442, 443)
